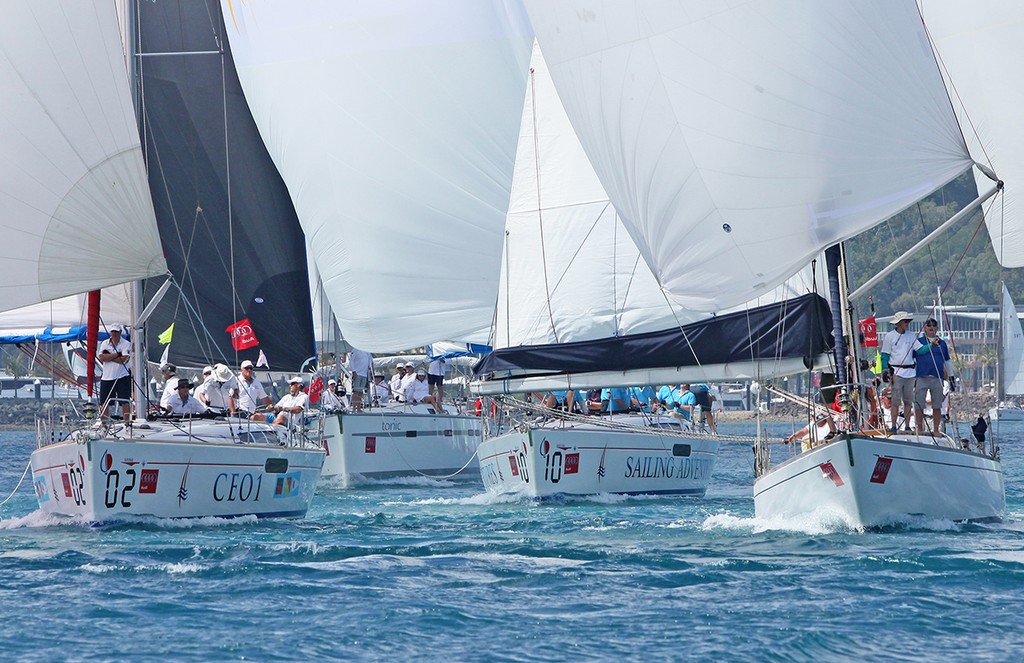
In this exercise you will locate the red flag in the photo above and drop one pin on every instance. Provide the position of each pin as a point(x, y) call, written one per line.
point(242, 335)
point(868, 332)
point(315, 387)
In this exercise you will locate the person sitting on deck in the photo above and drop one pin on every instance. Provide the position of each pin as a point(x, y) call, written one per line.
point(251, 394)
point(291, 404)
point(615, 400)
point(183, 402)
point(329, 398)
point(380, 392)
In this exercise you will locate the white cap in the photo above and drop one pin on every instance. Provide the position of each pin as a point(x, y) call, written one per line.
point(247, 363)
point(116, 328)
point(421, 372)
point(207, 370)
point(332, 381)
point(296, 380)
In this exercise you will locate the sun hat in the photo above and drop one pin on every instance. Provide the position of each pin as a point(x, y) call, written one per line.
point(207, 370)
point(900, 316)
point(184, 383)
point(221, 373)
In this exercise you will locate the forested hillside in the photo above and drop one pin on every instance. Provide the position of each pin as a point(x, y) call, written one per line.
point(913, 287)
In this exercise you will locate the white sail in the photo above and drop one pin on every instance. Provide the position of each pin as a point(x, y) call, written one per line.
point(979, 46)
point(75, 208)
point(737, 140)
point(1011, 367)
point(570, 270)
point(394, 125)
point(66, 312)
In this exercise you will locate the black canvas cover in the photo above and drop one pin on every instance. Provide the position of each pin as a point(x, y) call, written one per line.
point(243, 261)
point(798, 327)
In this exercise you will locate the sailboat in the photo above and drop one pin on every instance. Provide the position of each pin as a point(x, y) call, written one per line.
point(738, 142)
point(81, 204)
point(1010, 364)
point(578, 308)
point(399, 165)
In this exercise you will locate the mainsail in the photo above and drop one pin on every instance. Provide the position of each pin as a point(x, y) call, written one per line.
point(738, 140)
point(75, 208)
point(394, 125)
point(229, 230)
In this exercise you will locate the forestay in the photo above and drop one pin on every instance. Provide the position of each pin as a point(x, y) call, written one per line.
point(75, 209)
point(736, 141)
point(394, 125)
point(980, 49)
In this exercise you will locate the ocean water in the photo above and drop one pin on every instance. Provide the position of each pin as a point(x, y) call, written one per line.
point(428, 570)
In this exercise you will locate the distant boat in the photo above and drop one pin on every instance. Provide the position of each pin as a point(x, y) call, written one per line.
point(81, 187)
point(1010, 363)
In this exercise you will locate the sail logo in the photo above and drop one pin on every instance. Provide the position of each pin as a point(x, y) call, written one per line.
point(148, 480)
point(881, 471)
point(42, 492)
point(287, 485)
point(829, 471)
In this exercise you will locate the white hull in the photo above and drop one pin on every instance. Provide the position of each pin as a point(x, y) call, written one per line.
point(401, 441)
point(1000, 413)
point(588, 460)
point(167, 471)
point(876, 481)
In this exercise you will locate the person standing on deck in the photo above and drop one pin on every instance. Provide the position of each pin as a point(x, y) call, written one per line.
point(435, 380)
point(116, 380)
point(933, 367)
point(396, 381)
point(361, 364)
point(898, 361)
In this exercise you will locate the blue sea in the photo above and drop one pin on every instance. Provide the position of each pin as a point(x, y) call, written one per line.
point(431, 570)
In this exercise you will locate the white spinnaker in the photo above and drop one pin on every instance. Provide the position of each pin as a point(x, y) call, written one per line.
point(1011, 371)
point(570, 271)
point(737, 140)
point(980, 48)
point(394, 125)
point(75, 208)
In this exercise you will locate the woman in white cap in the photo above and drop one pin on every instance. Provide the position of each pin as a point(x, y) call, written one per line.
point(294, 402)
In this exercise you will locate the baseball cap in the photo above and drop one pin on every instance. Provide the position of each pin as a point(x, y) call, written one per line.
point(247, 363)
point(332, 381)
point(168, 368)
point(116, 328)
point(207, 370)
point(421, 372)
point(295, 380)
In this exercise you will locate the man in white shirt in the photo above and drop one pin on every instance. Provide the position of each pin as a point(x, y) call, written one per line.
point(407, 381)
point(183, 402)
point(200, 391)
point(116, 381)
point(221, 390)
point(418, 391)
point(330, 399)
point(396, 381)
point(293, 403)
point(380, 392)
point(170, 385)
point(898, 348)
point(251, 394)
point(360, 363)
point(435, 380)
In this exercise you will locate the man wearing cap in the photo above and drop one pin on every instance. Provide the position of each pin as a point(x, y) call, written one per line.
point(170, 385)
point(292, 403)
point(200, 391)
point(251, 394)
point(418, 391)
point(933, 367)
point(116, 381)
point(183, 402)
point(407, 382)
point(329, 398)
point(898, 348)
point(396, 381)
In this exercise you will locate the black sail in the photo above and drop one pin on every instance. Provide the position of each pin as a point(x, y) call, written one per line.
point(227, 224)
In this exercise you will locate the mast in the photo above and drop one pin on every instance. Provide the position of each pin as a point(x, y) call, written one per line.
point(1000, 353)
point(838, 300)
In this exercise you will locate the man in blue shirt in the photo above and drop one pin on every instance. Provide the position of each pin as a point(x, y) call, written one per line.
point(933, 366)
point(617, 399)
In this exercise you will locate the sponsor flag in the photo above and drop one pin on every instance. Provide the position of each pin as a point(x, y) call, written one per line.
point(877, 368)
point(262, 360)
point(242, 335)
point(165, 335)
point(868, 332)
point(315, 387)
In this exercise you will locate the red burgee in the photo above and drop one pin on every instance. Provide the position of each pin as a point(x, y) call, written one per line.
point(242, 335)
point(315, 387)
point(868, 332)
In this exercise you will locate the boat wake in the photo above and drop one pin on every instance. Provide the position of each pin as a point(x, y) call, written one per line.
point(826, 521)
point(40, 519)
point(340, 483)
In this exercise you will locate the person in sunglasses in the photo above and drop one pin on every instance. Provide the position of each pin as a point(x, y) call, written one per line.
point(933, 367)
